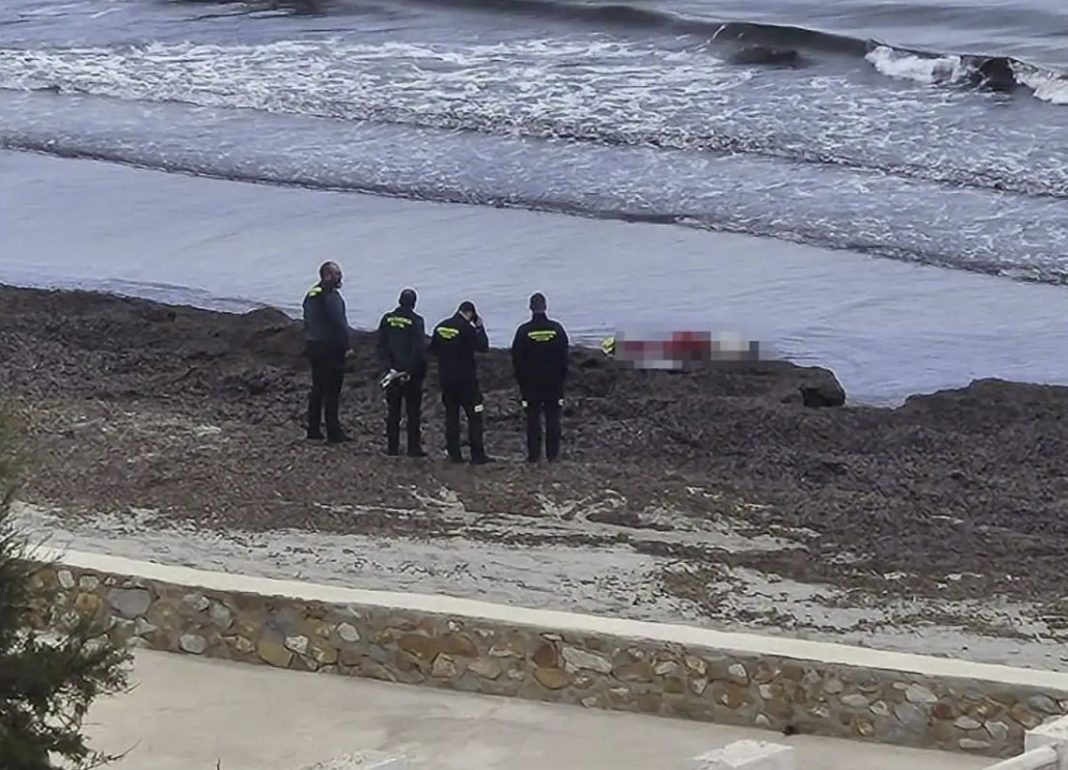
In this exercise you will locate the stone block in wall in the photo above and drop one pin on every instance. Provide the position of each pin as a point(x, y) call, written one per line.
point(273, 652)
point(130, 602)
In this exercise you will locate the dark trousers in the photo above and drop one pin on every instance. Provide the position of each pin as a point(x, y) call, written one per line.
point(535, 407)
point(411, 394)
point(466, 396)
point(328, 375)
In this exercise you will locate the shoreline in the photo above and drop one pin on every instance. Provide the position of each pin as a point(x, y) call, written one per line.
point(886, 328)
point(173, 434)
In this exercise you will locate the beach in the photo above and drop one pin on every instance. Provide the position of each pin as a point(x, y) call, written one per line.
point(842, 183)
point(712, 498)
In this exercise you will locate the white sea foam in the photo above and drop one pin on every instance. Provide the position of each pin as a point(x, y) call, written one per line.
point(589, 89)
point(1047, 86)
point(335, 78)
point(592, 89)
point(921, 69)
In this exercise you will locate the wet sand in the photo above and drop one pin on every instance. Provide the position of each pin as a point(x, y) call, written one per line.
point(712, 497)
point(886, 328)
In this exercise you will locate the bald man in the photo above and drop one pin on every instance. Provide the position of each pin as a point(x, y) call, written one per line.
point(326, 335)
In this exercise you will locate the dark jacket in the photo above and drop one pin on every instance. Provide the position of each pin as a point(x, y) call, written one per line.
point(455, 342)
point(539, 357)
point(402, 342)
point(326, 327)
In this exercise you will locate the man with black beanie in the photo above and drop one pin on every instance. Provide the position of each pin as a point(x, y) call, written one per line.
point(539, 358)
point(402, 353)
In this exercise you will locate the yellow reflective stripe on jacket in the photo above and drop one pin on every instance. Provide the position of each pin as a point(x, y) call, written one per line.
point(398, 321)
point(448, 333)
point(544, 335)
point(479, 407)
point(315, 291)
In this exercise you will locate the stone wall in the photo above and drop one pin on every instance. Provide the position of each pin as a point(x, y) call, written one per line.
point(557, 664)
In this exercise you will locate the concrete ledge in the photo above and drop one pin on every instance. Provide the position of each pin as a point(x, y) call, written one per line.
point(671, 670)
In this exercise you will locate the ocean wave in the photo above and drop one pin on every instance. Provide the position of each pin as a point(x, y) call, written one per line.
point(899, 62)
point(209, 167)
point(998, 73)
point(606, 15)
point(921, 69)
point(586, 90)
point(737, 195)
point(895, 61)
point(1049, 85)
point(601, 15)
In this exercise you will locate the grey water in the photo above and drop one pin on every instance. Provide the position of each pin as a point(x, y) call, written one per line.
point(890, 214)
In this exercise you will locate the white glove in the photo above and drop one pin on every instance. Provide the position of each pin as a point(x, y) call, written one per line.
point(393, 376)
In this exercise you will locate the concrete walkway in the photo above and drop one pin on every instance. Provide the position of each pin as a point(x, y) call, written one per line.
point(190, 714)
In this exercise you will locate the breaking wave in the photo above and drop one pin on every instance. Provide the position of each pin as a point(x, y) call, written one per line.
point(999, 72)
point(1047, 84)
point(921, 69)
point(925, 67)
point(593, 90)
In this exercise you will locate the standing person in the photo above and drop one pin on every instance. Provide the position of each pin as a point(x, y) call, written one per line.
point(539, 357)
point(455, 342)
point(402, 353)
point(326, 334)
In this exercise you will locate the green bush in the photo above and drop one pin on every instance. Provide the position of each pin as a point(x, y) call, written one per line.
point(47, 679)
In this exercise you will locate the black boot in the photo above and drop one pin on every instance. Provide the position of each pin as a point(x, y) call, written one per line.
point(415, 443)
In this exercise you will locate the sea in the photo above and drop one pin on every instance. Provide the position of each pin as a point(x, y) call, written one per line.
point(875, 186)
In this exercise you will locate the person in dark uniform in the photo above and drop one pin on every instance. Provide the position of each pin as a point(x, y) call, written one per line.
point(402, 353)
point(539, 358)
point(455, 342)
point(326, 334)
